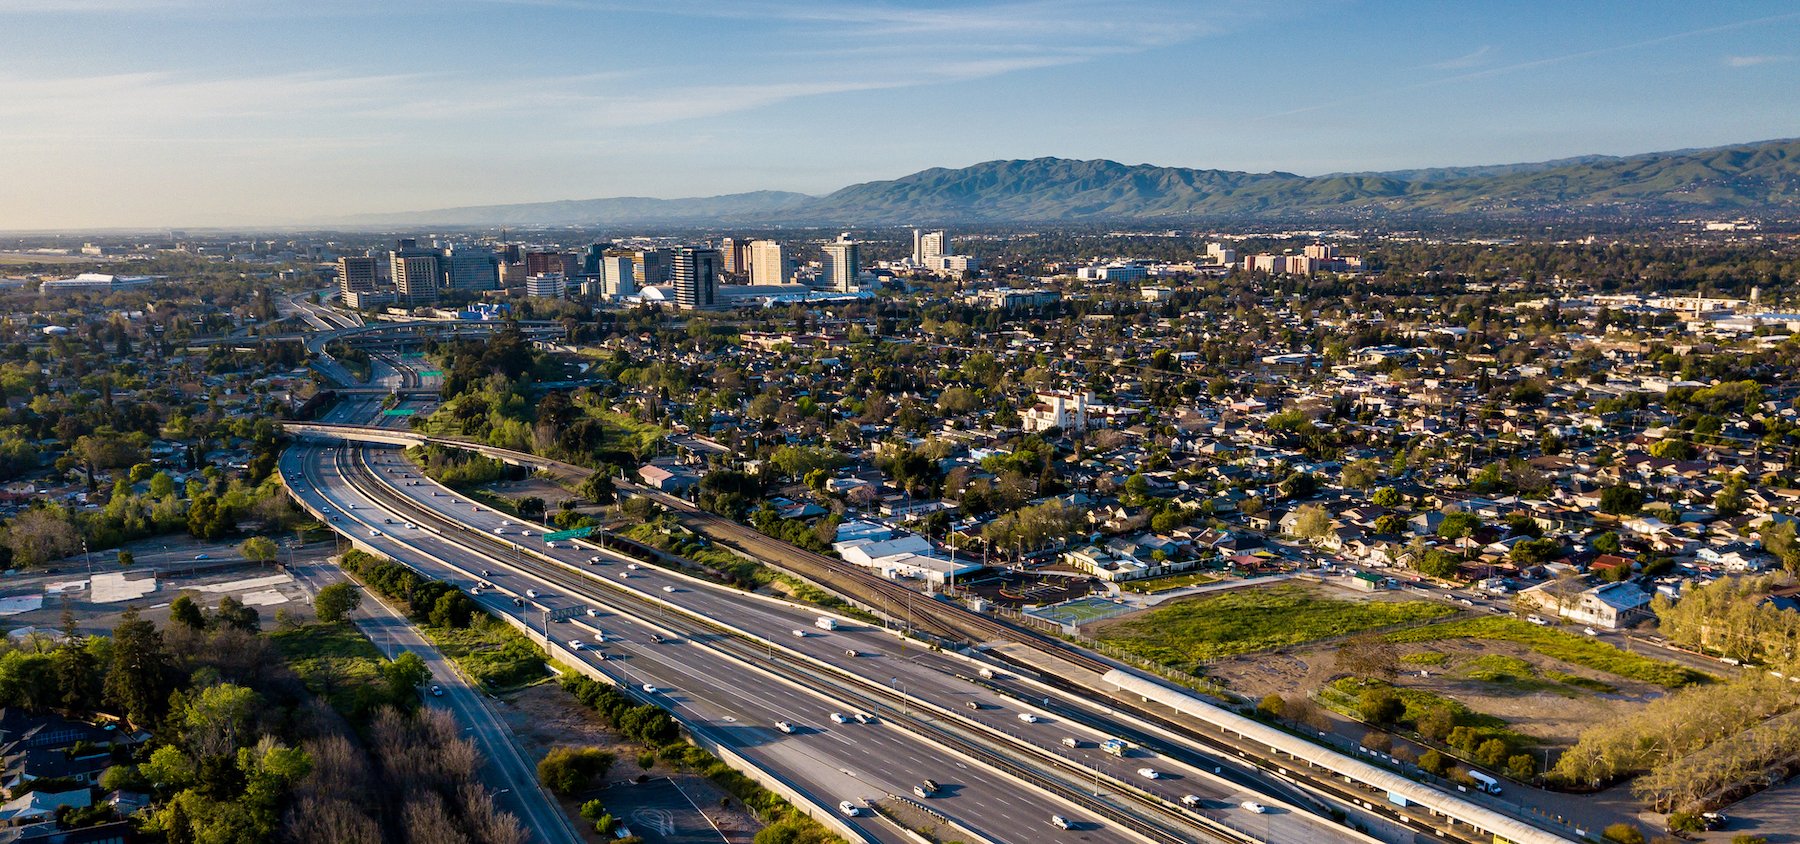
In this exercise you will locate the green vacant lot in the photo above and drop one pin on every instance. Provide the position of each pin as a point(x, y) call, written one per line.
point(1568, 647)
point(1185, 632)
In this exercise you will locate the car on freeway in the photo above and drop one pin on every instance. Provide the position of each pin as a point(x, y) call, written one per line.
point(849, 809)
point(864, 718)
point(624, 575)
point(1149, 773)
point(838, 718)
point(594, 561)
point(374, 532)
point(668, 588)
point(1190, 800)
point(799, 634)
point(576, 645)
point(1059, 822)
point(1590, 631)
point(649, 689)
point(531, 593)
point(1253, 806)
point(595, 613)
point(784, 726)
point(656, 637)
point(1028, 718)
point(202, 556)
point(931, 785)
point(437, 691)
point(920, 792)
point(499, 531)
point(633, 566)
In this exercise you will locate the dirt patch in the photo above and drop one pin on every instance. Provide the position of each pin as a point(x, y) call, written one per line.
point(544, 716)
point(1552, 703)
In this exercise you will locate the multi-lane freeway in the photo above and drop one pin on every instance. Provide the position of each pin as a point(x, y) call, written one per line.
point(735, 700)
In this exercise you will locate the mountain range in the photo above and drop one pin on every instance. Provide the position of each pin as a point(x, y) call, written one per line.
point(1755, 178)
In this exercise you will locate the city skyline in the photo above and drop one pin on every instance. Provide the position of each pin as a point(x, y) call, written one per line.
point(194, 113)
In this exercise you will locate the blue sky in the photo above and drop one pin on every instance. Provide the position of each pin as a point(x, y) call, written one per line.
point(223, 112)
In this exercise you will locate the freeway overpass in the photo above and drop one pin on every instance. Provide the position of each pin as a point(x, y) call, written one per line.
point(1318, 769)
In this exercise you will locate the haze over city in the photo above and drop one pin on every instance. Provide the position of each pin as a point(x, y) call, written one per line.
point(201, 112)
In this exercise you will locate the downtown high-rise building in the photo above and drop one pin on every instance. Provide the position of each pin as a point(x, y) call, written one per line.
point(842, 264)
point(929, 247)
point(618, 275)
point(417, 273)
point(651, 267)
point(769, 263)
point(356, 274)
point(547, 286)
point(472, 268)
point(695, 274)
point(739, 256)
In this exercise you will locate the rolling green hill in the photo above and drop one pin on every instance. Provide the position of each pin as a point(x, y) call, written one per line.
point(1756, 178)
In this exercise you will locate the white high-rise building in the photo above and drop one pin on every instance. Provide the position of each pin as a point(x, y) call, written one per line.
point(842, 264)
point(769, 263)
point(618, 275)
point(547, 286)
point(928, 247)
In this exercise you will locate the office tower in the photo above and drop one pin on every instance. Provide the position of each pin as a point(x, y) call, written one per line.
point(356, 274)
point(652, 267)
point(696, 276)
point(417, 272)
point(590, 260)
point(842, 263)
point(928, 247)
point(472, 268)
point(547, 286)
point(415, 278)
point(769, 263)
point(618, 275)
point(541, 262)
point(737, 252)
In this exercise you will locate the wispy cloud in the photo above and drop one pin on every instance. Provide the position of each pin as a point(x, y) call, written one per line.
point(1753, 61)
point(1476, 58)
point(1544, 62)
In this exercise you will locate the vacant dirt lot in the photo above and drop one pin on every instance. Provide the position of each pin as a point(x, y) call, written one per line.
point(1534, 703)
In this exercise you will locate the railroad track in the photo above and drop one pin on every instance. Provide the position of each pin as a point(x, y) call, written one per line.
point(1146, 815)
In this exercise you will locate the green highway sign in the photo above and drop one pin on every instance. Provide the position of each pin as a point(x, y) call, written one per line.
point(575, 533)
point(399, 411)
point(431, 373)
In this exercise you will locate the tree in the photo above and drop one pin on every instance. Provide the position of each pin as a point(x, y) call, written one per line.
point(1380, 705)
point(41, 534)
point(1272, 705)
point(1360, 474)
point(1521, 766)
point(185, 612)
point(1458, 525)
point(1623, 833)
point(1621, 500)
point(217, 718)
point(169, 769)
point(233, 614)
point(567, 770)
point(599, 488)
point(1607, 543)
point(1311, 522)
point(259, 549)
point(161, 485)
point(335, 602)
point(1433, 761)
point(126, 559)
point(406, 671)
point(1387, 497)
point(1368, 657)
point(1437, 722)
point(138, 681)
point(531, 507)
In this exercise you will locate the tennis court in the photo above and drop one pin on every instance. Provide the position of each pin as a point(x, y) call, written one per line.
point(1079, 611)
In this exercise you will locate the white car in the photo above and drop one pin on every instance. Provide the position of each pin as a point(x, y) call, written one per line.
point(668, 588)
point(499, 531)
point(633, 566)
point(838, 718)
point(1028, 718)
point(373, 532)
point(593, 612)
point(784, 726)
point(649, 689)
point(799, 634)
point(576, 645)
point(849, 809)
point(531, 593)
point(1590, 631)
point(1253, 806)
point(593, 561)
point(1059, 822)
point(1149, 773)
point(624, 575)
point(864, 718)
point(1189, 800)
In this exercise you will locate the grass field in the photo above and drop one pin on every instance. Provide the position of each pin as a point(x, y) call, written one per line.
point(1153, 585)
point(1556, 644)
point(1183, 633)
point(335, 661)
point(493, 653)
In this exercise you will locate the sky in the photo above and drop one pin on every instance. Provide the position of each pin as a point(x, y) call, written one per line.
point(188, 113)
